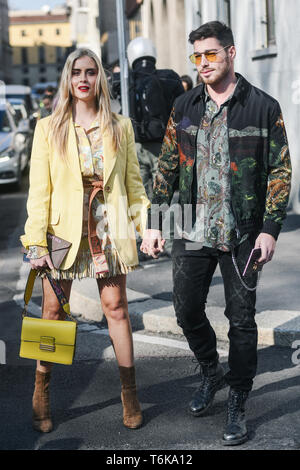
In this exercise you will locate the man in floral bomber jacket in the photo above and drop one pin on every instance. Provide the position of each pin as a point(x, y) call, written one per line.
point(226, 148)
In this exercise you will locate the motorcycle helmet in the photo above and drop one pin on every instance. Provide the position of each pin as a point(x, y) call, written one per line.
point(140, 47)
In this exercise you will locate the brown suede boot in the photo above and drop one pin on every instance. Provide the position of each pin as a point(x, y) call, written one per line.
point(132, 414)
point(41, 403)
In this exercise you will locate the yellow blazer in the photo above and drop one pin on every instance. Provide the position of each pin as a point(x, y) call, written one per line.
point(55, 199)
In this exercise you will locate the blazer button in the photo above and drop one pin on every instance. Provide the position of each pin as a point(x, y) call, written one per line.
point(107, 189)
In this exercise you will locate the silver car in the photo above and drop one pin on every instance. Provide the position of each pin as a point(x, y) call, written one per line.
point(14, 146)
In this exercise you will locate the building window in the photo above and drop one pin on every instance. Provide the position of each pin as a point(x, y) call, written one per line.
point(228, 12)
point(23, 32)
point(270, 23)
point(40, 32)
point(25, 81)
point(57, 31)
point(24, 55)
point(59, 55)
point(42, 69)
point(41, 55)
point(265, 34)
point(25, 70)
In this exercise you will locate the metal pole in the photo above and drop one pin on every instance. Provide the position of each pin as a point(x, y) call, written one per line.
point(122, 57)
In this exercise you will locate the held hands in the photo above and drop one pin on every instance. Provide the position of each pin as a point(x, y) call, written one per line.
point(43, 262)
point(267, 244)
point(152, 243)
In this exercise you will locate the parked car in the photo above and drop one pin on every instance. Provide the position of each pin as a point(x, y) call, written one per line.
point(23, 119)
point(14, 145)
point(20, 108)
point(22, 92)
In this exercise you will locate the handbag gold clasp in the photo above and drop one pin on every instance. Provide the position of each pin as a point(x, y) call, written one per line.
point(47, 343)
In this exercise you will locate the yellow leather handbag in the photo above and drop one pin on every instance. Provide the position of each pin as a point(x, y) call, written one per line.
point(47, 340)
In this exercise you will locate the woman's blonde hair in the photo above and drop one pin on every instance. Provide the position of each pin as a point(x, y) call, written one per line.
point(59, 120)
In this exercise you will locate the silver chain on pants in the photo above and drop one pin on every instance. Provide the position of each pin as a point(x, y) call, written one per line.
point(251, 289)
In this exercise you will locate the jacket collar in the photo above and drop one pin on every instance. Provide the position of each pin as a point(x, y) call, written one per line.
point(241, 92)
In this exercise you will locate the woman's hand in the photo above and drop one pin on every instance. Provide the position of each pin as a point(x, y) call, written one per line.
point(43, 262)
point(152, 243)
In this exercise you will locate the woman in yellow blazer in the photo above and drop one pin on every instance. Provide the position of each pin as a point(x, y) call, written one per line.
point(80, 149)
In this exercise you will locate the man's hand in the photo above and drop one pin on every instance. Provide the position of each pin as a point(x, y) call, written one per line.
point(152, 243)
point(43, 262)
point(267, 245)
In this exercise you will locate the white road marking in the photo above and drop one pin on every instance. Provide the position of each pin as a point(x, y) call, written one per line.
point(172, 343)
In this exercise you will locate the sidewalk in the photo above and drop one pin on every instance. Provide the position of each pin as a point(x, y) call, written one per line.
point(278, 297)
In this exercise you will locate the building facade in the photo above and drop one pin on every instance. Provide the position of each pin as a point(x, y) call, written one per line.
point(84, 20)
point(40, 41)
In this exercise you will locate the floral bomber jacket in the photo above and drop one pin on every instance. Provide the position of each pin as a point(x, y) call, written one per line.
point(260, 166)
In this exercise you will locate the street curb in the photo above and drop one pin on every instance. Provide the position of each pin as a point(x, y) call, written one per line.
point(275, 327)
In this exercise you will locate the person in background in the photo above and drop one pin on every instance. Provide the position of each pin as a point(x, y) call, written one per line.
point(45, 106)
point(50, 91)
point(151, 96)
point(83, 167)
point(187, 82)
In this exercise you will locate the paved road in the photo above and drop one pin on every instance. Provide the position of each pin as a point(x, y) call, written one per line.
point(86, 396)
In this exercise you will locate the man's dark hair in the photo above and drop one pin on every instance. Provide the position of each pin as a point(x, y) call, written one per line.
point(50, 88)
point(213, 29)
point(47, 97)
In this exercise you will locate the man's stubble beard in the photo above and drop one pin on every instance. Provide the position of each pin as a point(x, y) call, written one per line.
point(220, 77)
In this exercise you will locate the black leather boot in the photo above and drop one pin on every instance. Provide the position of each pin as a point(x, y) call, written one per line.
point(211, 381)
point(236, 430)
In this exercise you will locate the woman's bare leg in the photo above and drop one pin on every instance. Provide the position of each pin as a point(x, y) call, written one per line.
point(115, 307)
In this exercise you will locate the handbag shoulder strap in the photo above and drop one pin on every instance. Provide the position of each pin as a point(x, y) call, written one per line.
point(55, 286)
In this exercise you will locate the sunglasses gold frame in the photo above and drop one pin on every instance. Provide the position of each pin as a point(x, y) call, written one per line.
point(196, 58)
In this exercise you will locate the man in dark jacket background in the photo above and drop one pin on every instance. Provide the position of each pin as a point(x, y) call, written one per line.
point(152, 93)
point(226, 147)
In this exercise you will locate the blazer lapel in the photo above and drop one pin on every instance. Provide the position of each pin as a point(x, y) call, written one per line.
point(73, 156)
point(110, 156)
